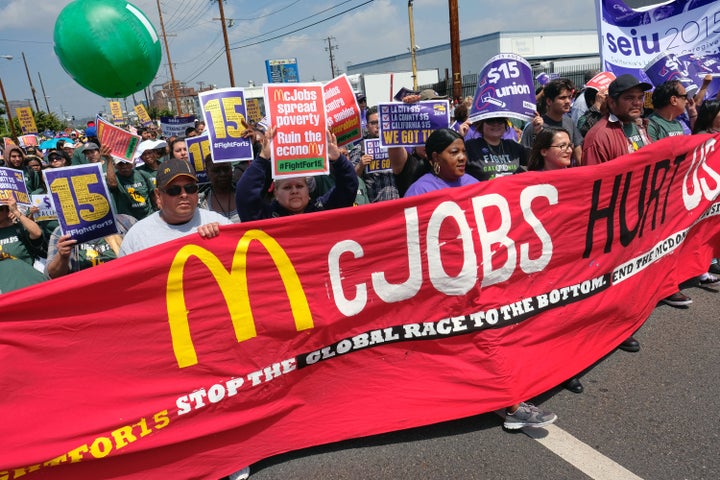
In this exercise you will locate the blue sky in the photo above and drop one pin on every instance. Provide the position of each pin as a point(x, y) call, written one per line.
point(369, 29)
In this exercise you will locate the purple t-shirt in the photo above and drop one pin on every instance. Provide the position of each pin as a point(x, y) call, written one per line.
point(430, 183)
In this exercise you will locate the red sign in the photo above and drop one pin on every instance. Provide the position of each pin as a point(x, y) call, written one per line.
point(297, 111)
point(601, 81)
point(196, 357)
point(342, 110)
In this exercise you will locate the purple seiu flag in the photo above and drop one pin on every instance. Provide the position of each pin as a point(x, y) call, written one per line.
point(543, 78)
point(381, 157)
point(225, 115)
point(702, 66)
point(82, 201)
point(666, 67)
point(631, 38)
point(12, 184)
point(505, 89)
point(410, 124)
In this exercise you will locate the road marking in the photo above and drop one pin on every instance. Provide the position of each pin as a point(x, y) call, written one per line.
point(578, 454)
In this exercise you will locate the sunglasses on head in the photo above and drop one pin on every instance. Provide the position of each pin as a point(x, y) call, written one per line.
point(175, 190)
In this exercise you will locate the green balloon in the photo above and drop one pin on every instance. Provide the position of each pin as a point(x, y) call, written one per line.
point(107, 46)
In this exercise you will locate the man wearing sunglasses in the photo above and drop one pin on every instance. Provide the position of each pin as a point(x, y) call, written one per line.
point(179, 215)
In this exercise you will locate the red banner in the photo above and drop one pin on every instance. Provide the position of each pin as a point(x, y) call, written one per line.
point(197, 357)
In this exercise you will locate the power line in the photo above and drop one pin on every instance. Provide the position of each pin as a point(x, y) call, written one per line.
point(220, 53)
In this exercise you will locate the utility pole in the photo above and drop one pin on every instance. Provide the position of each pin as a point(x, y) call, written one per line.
point(47, 107)
point(412, 44)
point(167, 52)
point(227, 46)
point(32, 88)
point(455, 50)
point(330, 49)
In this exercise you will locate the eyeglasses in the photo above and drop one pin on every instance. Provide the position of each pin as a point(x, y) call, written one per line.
point(56, 159)
point(175, 190)
point(564, 146)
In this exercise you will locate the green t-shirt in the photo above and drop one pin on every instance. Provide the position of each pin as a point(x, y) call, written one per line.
point(16, 274)
point(132, 195)
point(658, 127)
point(632, 133)
point(13, 246)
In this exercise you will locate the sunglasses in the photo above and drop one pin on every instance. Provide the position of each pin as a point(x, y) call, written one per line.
point(175, 190)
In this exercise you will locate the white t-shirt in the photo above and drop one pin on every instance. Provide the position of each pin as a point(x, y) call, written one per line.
point(153, 230)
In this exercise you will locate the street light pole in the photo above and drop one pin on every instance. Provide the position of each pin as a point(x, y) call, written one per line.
point(7, 107)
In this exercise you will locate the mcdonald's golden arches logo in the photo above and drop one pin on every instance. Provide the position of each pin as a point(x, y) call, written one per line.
point(234, 288)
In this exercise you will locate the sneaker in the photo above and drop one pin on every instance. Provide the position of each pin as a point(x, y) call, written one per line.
point(714, 269)
point(243, 474)
point(528, 415)
point(677, 299)
point(709, 280)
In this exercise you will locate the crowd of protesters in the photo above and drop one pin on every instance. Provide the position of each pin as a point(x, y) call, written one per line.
point(156, 196)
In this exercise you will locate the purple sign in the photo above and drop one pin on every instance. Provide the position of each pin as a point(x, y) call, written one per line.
point(505, 89)
point(410, 124)
point(175, 126)
point(632, 39)
point(666, 67)
point(82, 201)
point(381, 157)
point(225, 116)
point(543, 78)
point(198, 149)
point(12, 184)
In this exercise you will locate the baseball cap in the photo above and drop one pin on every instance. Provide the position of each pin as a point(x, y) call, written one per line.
point(430, 94)
point(172, 169)
point(625, 82)
point(90, 146)
point(146, 145)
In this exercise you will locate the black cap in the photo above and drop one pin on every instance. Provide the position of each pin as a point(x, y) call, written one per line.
point(625, 82)
point(173, 168)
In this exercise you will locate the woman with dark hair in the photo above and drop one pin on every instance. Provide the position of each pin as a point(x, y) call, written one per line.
point(446, 153)
point(445, 149)
point(708, 119)
point(178, 149)
point(552, 150)
point(491, 155)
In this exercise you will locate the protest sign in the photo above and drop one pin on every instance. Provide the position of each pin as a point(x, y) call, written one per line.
point(46, 209)
point(381, 157)
point(298, 331)
point(143, 116)
point(26, 119)
point(82, 201)
point(404, 92)
point(666, 67)
point(297, 111)
point(12, 184)
point(601, 81)
point(410, 124)
point(224, 113)
point(630, 39)
point(343, 112)
point(8, 142)
point(254, 112)
point(504, 89)
point(28, 140)
point(175, 126)
point(543, 78)
point(122, 143)
point(198, 148)
point(116, 112)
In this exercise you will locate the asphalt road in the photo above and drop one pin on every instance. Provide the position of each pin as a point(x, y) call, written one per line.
point(648, 415)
